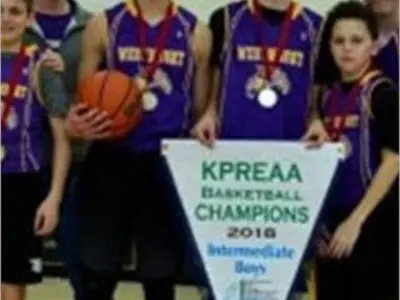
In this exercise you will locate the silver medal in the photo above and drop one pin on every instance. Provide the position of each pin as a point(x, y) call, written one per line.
point(149, 101)
point(12, 121)
point(268, 97)
point(347, 146)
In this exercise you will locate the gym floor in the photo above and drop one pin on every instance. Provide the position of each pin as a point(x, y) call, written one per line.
point(58, 289)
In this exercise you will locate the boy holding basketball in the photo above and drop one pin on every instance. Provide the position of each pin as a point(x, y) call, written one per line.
point(31, 99)
point(126, 189)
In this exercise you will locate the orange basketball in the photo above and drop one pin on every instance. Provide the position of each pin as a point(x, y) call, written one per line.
point(115, 93)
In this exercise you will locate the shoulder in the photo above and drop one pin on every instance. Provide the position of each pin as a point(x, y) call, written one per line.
point(97, 23)
point(217, 14)
point(116, 7)
point(185, 12)
point(311, 14)
point(382, 95)
point(236, 5)
point(217, 17)
point(96, 31)
point(383, 88)
point(187, 18)
point(81, 15)
point(232, 8)
point(311, 17)
point(115, 10)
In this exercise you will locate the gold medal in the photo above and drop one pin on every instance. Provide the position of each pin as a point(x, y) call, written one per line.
point(259, 83)
point(141, 83)
point(3, 152)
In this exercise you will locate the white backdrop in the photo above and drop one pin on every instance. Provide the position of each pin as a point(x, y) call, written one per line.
point(203, 8)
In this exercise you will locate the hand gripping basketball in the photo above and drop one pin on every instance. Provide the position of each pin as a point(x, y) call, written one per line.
point(117, 95)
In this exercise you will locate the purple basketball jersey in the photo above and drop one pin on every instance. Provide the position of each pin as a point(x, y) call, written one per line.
point(242, 116)
point(23, 135)
point(173, 80)
point(355, 172)
point(388, 58)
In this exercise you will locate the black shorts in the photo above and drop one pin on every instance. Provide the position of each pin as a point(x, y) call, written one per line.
point(367, 273)
point(126, 197)
point(21, 252)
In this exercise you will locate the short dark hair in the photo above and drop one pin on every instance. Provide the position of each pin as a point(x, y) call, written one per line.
point(326, 69)
point(29, 5)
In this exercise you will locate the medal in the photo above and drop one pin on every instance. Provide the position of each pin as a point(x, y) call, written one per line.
point(9, 98)
point(3, 152)
point(347, 147)
point(338, 119)
point(149, 101)
point(141, 83)
point(259, 83)
point(268, 97)
point(160, 43)
point(12, 121)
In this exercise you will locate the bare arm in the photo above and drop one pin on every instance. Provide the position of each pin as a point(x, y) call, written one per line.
point(202, 46)
point(94, 46)
point(61, 158)
point(219, 27)
point(81, 122)
point(315, 103)
point(214, 94)
point(50, 90)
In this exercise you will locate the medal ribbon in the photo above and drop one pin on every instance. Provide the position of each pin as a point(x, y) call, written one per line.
point(161, 40)
point(335, 128)
point(12, 85)
point(271, 64)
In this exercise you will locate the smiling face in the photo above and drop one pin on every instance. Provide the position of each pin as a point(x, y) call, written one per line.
point(352, 46)
point(15, 18)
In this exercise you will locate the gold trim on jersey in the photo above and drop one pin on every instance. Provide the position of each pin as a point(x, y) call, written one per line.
point(298, 9)
point(368, 76)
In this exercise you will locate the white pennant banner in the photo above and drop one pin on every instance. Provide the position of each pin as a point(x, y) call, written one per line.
point(252, 207)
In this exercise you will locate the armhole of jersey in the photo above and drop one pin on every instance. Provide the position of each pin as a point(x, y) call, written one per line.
point(189, 28)
point(192, 30)
point(113, 19)
point(367, 95)
point(108, 21)
point(227, 32)
point(111, 35)
point(314, 35)
point(35, 82)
